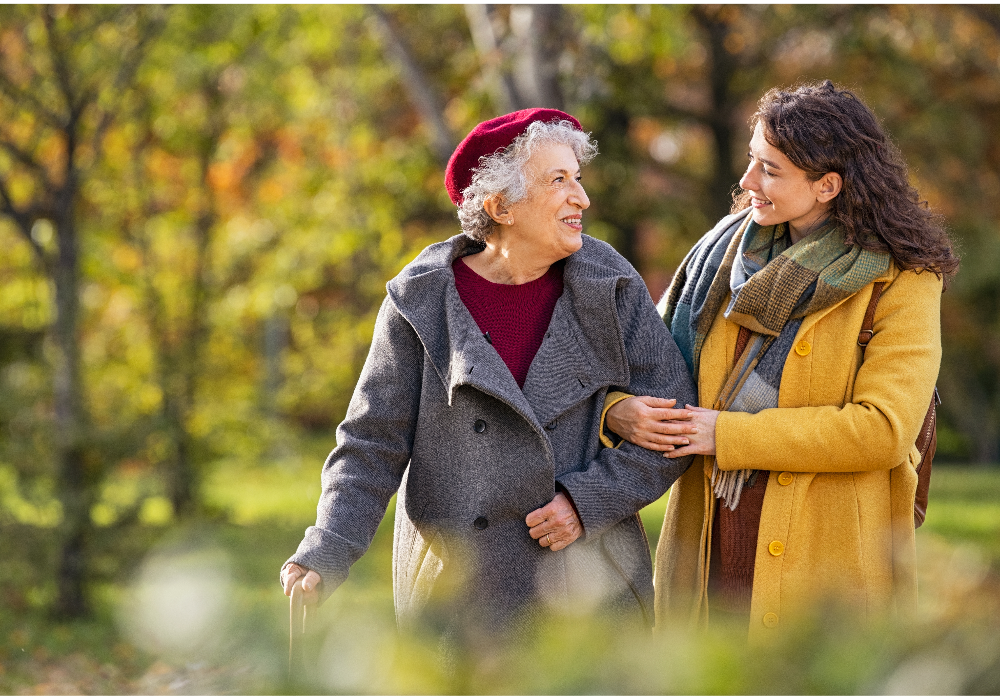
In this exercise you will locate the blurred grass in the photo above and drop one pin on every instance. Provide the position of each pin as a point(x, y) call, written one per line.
point(964, 508)
point(354, 649)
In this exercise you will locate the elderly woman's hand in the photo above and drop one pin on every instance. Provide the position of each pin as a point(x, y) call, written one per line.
point(310, 582)
point(555, 525)
point(652, 423)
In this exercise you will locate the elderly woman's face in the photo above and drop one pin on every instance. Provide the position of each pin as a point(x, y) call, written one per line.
point(550, 217)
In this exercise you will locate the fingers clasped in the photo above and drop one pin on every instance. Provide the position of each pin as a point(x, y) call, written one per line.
point(702, 443)
point(651, 423)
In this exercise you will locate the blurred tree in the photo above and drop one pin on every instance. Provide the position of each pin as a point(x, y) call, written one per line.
point(193, 115)
point(520, 51)
point(204, 203)
point(63, 74)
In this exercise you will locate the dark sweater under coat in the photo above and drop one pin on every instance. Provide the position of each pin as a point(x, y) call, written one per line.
point(437, 416)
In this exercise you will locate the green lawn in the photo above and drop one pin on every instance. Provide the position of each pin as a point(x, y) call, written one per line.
point(202, 613)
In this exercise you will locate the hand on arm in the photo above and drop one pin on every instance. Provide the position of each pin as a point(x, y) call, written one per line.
point(651, 423)
point(702, 437)
point(617, 483)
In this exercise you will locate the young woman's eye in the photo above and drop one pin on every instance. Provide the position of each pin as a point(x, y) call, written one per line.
point(763, 167)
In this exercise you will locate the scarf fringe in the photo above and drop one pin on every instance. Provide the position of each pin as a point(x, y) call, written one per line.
point(729, 485)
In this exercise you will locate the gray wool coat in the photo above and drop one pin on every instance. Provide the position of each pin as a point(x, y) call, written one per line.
point(438, 417)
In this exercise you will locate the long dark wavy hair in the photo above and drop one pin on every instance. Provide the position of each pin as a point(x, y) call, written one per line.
point(823, 129)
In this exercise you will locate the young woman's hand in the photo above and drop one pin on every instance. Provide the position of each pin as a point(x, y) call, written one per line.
point(650, 422)
point(702, 442)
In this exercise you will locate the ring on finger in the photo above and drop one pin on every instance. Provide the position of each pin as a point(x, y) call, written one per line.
point(548, 539)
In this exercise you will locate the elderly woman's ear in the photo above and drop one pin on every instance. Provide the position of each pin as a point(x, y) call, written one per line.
point(498, 209)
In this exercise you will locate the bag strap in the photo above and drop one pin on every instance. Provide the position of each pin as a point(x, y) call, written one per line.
point(868, 325)
point(927, 439)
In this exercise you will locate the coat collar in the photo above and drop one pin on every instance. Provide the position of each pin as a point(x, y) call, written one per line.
point(583, 348)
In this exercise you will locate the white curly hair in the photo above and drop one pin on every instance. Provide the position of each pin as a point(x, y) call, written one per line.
point(505, 173)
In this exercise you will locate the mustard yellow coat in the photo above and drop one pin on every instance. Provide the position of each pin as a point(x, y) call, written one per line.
point(837, 518)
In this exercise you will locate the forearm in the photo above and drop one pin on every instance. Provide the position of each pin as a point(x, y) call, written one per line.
point(854, 438)
point(374, 443)
point(359, 479)
point(619, 483)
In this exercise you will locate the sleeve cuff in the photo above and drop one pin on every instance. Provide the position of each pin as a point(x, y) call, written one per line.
point(612, 398)
point(733, 431)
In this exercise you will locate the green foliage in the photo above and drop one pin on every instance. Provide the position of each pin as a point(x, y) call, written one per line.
point(249, 177)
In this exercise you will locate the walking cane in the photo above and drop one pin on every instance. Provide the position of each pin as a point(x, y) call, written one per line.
point(296, 632)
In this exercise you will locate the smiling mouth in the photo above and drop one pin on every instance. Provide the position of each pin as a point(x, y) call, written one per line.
point(572, 220)
point(758, 202)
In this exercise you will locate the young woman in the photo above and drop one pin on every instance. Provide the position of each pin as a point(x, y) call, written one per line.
point(803, 489)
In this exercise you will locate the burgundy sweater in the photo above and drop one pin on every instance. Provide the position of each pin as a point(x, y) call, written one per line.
point(513, 317)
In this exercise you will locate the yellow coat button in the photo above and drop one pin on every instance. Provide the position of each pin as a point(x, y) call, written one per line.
point(770, 620)
point(777, 548)
point(785, 478)
point(803, 347)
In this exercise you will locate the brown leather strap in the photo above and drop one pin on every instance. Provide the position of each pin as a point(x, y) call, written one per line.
point(927, 439)
point(868, 325)
point(928, 429)
point(741, 343)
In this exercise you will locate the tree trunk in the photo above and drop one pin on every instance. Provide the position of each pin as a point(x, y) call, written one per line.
point(722, 69)
point(491, 58)
point(613, 138)
point(539, 46)
point(76, 476)
point(417, 86)
point(185, 478)
point(276, 333)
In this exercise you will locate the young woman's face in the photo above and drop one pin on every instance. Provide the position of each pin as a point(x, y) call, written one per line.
point(780, 191)
point(550, 219)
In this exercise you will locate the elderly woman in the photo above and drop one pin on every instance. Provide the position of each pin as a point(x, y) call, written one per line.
point(481, 398)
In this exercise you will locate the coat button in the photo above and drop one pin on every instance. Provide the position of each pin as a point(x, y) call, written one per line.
point(479, 426)
point(551, 426)
point(803, 347)
point(785, 478)
point(770, 620)
point(480, 523)
point(777, 548)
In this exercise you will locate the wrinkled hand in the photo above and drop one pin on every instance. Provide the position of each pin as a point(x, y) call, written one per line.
point(310, 582)
point(703, 441)
point(652, 423)
point(555, 525)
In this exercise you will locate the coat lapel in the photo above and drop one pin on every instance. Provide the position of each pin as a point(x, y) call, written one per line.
point(580, 353)
point(426, 297)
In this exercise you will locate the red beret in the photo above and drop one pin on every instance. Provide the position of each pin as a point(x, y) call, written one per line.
point(488, 138)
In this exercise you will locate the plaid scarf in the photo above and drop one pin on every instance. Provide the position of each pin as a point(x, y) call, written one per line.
point(774, 285)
